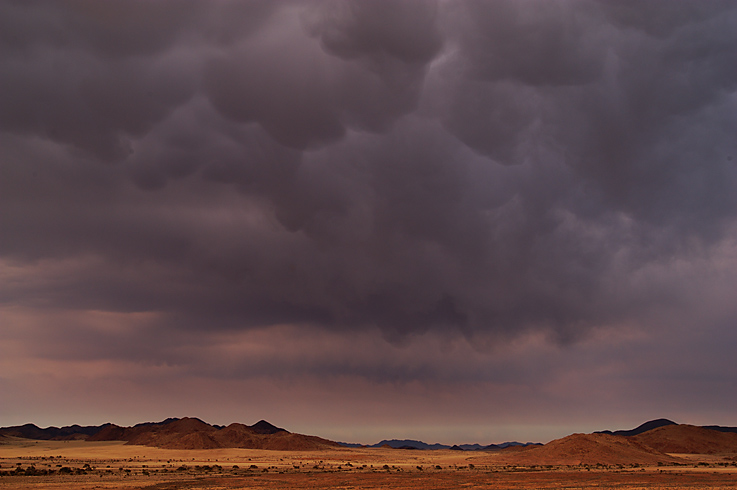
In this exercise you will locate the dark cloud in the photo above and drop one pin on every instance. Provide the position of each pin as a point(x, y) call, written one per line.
point(482, 170)
point(91, 104)
point(407, 32)
point(403, 224)
point(288, 80)
point(556, 43)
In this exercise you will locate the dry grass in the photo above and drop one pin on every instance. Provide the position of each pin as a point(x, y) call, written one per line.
point(113, 465)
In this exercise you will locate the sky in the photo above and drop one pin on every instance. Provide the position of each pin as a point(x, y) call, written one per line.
point(453, 221)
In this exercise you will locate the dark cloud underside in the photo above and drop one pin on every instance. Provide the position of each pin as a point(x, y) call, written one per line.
point(486, 170)
point(552, 138)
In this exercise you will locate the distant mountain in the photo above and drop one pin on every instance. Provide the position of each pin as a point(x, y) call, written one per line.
point(720, 428)
point(657, 423)
point(652, 424)
point(408, 444)
point(471, 447)
point(706, 442)
point(184, 433)
point(507, 445)
point(31, 431)
point(351, 444)
point(419, 445)
point(263, 427)
point(494, 447)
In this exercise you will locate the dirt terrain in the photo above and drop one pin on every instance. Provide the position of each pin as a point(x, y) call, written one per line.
point(115, 465)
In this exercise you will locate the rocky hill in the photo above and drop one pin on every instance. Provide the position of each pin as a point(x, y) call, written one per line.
point(184, 433)
point(652, 442)
point(192, 433)
point(32, 431)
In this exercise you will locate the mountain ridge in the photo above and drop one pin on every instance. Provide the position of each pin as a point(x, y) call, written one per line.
point(647, 426)
point(179, 433)
point(659, 435)
point(420, 445)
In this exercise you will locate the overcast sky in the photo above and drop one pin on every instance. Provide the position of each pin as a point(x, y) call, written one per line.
point(462, 221)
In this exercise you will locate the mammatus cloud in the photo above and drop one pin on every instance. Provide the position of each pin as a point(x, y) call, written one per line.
point(479, 172)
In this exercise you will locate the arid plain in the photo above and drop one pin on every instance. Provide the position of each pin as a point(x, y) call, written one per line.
point(577, 461)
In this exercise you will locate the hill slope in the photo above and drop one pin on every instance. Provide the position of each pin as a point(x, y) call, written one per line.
point(689, 439)
point(588, 449)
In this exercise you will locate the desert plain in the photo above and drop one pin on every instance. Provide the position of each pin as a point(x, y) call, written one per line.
point(117, 465)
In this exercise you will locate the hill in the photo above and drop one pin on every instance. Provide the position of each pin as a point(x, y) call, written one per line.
point(588, 449)
point(184, 433)
point(32, 431)
point(192, 433)
point(650, 442)
point(689, 439)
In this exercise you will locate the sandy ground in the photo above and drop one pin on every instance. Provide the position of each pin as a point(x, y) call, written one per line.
point(113, 465)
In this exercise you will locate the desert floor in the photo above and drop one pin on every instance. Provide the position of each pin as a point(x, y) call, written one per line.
point(113, 465)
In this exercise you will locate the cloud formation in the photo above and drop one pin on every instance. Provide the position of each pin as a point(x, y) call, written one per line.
point(473, 171)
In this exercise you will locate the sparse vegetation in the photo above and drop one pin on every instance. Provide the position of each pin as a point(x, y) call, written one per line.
point(376, 468)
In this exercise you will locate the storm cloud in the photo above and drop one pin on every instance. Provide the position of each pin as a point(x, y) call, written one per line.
point(176, 176)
